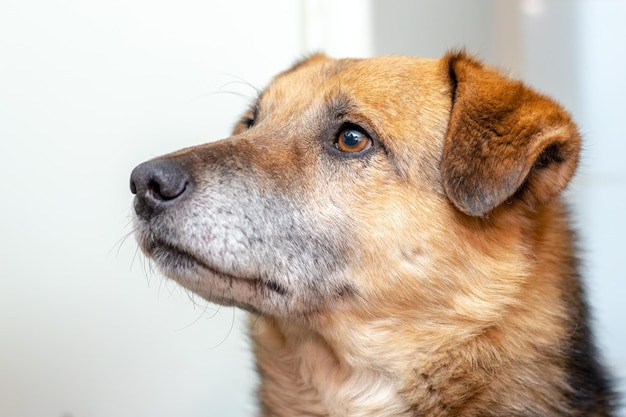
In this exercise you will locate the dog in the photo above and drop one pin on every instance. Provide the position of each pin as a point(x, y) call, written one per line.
point(395, 228)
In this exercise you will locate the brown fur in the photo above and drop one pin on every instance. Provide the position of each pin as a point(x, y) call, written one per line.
point(432, 274)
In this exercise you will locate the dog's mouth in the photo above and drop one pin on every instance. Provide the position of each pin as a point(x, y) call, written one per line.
point(173, 258)
point(176, 261)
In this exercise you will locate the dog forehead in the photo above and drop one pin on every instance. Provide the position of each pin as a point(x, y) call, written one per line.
point(389, 88)
point(320, 73)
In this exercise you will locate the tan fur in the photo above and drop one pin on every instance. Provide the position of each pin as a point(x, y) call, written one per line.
point(433, 275)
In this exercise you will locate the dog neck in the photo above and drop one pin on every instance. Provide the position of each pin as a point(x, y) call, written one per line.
point(301, 374)
point(360, 369)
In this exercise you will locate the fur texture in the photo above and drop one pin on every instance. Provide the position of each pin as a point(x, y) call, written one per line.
point(395, 227)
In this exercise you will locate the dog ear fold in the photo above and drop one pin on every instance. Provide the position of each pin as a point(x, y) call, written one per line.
point(503, 140)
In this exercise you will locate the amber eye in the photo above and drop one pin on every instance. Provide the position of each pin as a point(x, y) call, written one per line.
point(352, 141)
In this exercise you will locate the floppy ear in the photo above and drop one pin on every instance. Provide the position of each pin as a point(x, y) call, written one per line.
point(504, 140)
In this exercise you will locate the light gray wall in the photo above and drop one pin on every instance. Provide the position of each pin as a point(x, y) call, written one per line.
point(600, 194)
point(428, 28)
point(89, 89)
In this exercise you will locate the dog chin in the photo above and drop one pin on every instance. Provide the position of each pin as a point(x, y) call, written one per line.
point(209, 282)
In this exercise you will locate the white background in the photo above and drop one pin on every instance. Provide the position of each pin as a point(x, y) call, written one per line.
point(88, 89)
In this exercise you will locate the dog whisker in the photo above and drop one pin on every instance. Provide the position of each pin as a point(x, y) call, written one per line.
point(136, 254)
point(242, 81)
point(202, 313)
point(214, 93)
point(230, 331)
point(117, 246)
point(253, 325)
point(237, 81)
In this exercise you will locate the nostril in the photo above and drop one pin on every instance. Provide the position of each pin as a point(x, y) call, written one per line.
point(165, 188)
point(157, 183)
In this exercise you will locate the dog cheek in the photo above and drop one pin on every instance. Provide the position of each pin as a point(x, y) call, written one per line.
point(304, 247)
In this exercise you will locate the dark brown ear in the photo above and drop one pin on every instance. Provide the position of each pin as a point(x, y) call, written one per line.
point(503, 140)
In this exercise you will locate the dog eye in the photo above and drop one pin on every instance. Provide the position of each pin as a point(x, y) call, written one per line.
point(351, 140)
point(248, 122)
point(249, 118)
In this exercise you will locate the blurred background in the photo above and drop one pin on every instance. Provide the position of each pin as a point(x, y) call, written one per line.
point(88, 89)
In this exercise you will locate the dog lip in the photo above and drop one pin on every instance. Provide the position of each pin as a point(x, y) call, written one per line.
point(275, 286)
point(172, 257)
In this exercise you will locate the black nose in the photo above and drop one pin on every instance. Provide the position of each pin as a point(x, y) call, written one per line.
point(158, 184)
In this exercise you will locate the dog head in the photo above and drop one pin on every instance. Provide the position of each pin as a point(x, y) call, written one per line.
point(362, 185)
